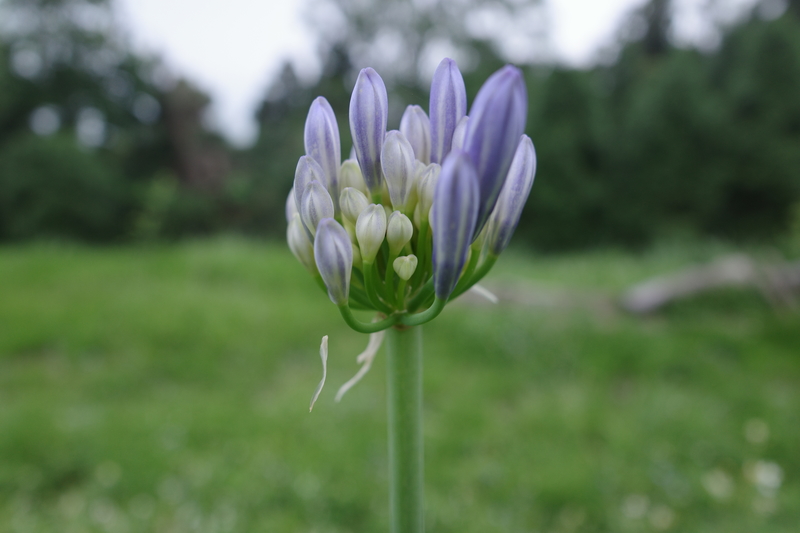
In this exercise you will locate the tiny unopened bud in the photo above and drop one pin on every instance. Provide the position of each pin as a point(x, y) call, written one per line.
point(315, 205)
point(416, 126)
point(350, 176)
point(398, 231)
point(307, 171)
point(352, 202)
point(405, 266)
point(461, 131)
point(334, 256)
point(369, 108)
point(370, 231)
point(399, 167)
point(299, 243)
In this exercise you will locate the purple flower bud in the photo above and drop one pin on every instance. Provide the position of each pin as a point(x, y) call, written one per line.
point(399, 167)
point(321, 139)
point(496, 121)
point(334, 256)
point(315, 205)
point(307, 171)
point(448, 105)
point(453, 217)
point(516, 189)
point(416, 126)
point(369, 107)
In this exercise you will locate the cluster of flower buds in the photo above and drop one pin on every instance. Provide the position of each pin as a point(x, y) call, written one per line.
point(417, 215)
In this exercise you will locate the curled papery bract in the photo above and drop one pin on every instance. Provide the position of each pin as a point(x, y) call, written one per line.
point(370, 231)
point(307, 171)
point(334, 257)
point(291, 206)
point(496, 121)
point(453, 218)
point(315, 205)
point(447, 105)
point(350, 176)
point(399, 168)
point(300, 245)
point(516, 189)
point(461, 131)
point(321, 139)
point(405, 266)
point(426, 186)
point(369, 107)
point(352, 202)
point(416, 126)
point(399, 231)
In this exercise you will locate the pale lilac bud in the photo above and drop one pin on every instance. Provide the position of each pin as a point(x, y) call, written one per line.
point(350, 176)
point(334, 257)
point(516, 189)
point(369, 107)
point(461, 131)
point(405, 266)
point(399, 231)
point(307, 171)
point(291, 206)
point(352, 202)
point(321, 139)
point(315, 205)
point(453, 217)
point(497, 119)
point(426, 185)
point(299, 243)
point(448, 105)
point(399, 167)
point(416, 126)
point(370, 231)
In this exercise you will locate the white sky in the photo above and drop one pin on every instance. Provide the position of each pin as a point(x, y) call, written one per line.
point(232, 48)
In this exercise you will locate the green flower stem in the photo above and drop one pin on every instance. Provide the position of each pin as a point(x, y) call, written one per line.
point(425, 316)
point(401, 294)
point(389, 278)
point(422, 253)
point(482, 270)
point(364, 327)
point(422, 296)
point(371, 282)
point(404, 391)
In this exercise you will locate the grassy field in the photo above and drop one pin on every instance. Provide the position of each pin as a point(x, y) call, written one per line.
point(166, 390)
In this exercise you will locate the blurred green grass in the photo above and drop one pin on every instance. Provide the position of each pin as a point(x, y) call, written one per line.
point(166, 389)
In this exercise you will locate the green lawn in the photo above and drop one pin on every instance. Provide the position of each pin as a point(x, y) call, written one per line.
point(166, 389)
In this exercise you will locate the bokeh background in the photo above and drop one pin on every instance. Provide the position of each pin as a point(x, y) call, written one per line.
point(158, 341)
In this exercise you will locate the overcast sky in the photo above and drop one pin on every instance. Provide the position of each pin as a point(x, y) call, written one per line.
point(232, 48)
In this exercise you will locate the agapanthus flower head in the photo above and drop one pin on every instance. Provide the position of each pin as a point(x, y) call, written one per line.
point(418, 215)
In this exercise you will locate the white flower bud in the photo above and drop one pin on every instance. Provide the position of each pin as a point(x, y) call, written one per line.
point(352, 202)
point(370, 231)
point(315, 204)
point(291, 206)
point(416, 126)
point(426, 186)
point(299, 243)
point(398, 232)
point(405, 266)
point(350, 176)
point(399, 167)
